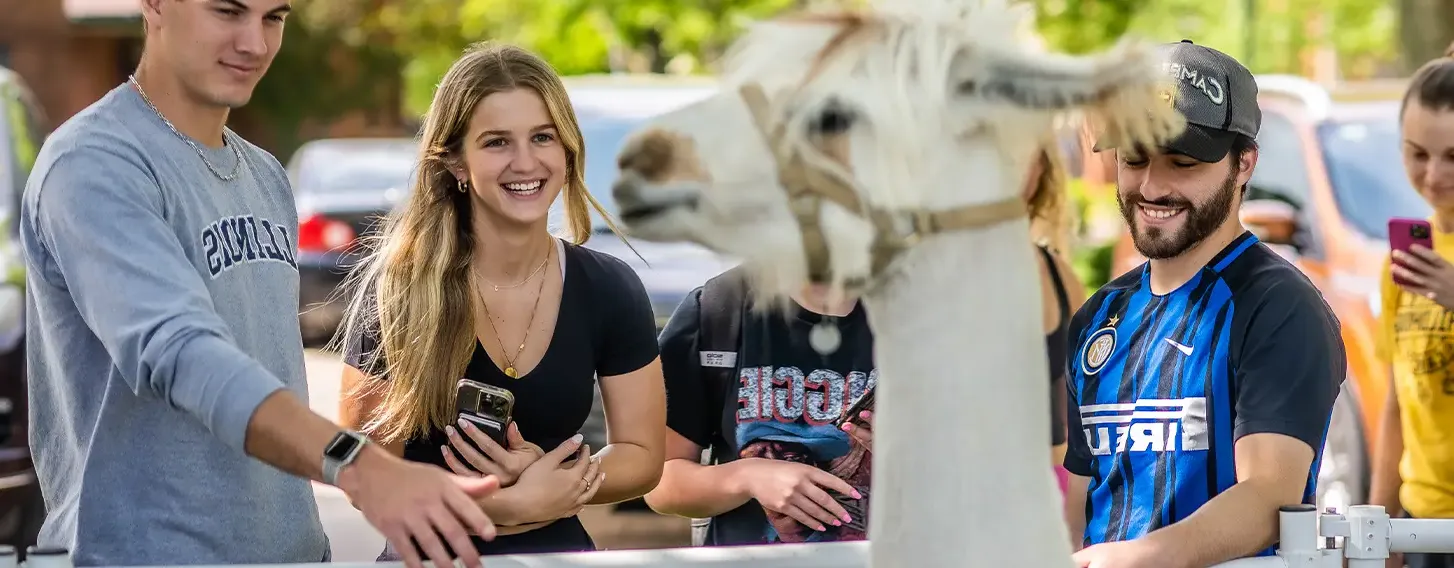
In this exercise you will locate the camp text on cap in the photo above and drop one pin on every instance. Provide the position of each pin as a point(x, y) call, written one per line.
point(1198, 79)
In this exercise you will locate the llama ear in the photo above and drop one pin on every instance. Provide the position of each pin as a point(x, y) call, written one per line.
point(1048, 81)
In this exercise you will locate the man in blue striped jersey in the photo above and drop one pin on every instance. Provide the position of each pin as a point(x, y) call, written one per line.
point(1200, 383)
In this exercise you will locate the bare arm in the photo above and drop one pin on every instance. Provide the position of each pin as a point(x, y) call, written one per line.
point(1384, 486)
point(1075, 496)
point(1272, 471)
point(690, 489)
point(1290, 364)
point(635, 405)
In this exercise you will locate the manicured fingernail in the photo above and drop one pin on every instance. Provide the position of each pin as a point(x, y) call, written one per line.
point(846, 518)
point(847, 427)
point(857, 495)
point(577, 438)
point(866, 415)
point(822, 528)
point(449, 431)
point(464, 424)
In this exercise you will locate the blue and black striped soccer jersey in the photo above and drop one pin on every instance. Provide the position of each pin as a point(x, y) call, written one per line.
point(1162, 386)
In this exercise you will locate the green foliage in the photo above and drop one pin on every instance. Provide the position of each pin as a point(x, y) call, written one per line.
point(1267, 36)
point(1092, 264)
point(1097, 225)
point(319, 76)
point(576, 36)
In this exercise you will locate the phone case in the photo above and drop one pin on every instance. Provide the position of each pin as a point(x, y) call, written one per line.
point(1404, 233)
point(862, 403)
point(470, 401)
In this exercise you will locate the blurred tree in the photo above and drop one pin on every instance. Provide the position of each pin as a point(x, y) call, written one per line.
point(1426, 28)
point(1282, 36)
point(317, 77)
point(576, 36)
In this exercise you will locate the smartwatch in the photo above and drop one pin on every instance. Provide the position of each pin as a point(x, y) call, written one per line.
point(341, 451)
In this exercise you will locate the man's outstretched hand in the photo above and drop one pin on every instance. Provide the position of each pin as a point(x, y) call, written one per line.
point(412, 502)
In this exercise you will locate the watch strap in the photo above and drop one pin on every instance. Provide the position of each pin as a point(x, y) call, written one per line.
point(332, 466)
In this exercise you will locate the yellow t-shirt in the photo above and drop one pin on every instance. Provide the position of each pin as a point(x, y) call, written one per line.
point(1416, 336)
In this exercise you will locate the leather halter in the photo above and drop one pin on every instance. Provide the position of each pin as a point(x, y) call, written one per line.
point(895, 231)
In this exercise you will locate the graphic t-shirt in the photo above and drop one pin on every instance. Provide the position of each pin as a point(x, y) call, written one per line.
point(605, 328)
point(783, 405)
point(1416, 337)
point(1163, 385)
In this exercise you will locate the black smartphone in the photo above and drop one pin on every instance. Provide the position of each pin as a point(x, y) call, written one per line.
point(488, 407)
point(860, 404)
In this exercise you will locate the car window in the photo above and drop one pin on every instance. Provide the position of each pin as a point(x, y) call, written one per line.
point(1282, 169)
point(1365, 167)
point(327, 169)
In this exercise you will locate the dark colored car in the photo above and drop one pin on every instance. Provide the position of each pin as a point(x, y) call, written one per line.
point(21, 506)
point(342, 186)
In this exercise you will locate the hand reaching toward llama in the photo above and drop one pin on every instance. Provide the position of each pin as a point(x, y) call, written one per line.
point(799, 491)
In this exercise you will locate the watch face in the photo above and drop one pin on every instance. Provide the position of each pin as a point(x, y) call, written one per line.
point(342, 445)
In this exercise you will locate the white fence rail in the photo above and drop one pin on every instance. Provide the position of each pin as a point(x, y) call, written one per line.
point(1364, 537)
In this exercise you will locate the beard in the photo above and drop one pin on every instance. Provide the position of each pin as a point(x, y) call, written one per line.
point(1201, 220)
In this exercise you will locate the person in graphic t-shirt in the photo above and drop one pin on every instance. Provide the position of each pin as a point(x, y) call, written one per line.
point(784, 472)
point(785, 466)
point(1413, 473)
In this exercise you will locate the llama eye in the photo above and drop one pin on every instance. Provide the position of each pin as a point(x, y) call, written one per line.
point(833, 119)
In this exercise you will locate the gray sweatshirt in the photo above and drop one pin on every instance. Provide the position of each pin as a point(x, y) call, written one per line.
point(163, 308)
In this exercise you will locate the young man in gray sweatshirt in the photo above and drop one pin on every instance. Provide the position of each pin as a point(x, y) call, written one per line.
point(169, 416)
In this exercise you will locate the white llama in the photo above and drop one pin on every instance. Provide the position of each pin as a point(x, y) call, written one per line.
point(883, 152)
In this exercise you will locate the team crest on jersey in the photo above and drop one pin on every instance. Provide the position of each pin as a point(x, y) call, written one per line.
point(1099, 348)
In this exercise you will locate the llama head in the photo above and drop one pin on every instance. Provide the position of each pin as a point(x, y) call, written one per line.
point(906, 110)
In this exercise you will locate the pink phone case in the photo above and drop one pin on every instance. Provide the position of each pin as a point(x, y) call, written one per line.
point(1404, 233)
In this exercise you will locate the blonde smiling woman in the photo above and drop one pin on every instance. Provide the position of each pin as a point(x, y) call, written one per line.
point(467, 282)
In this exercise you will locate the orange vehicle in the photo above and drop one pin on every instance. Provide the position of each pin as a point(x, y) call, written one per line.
point(1328, 177)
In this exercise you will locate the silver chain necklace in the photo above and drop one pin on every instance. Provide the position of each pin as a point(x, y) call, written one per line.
point(236, 153)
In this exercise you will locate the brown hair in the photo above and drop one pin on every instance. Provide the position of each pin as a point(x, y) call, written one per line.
point(414, 285)
point(1432, 84)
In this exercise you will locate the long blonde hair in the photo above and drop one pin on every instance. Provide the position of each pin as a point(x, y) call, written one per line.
point(1049, 218)
point(414, 285)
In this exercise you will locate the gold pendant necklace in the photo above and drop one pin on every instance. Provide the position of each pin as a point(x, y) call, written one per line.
point(509, 360)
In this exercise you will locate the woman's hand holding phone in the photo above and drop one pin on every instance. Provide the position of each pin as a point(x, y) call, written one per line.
point(1423, 272)
point(506, 464)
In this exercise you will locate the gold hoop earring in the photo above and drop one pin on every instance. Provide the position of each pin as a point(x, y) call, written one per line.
point(462, 185)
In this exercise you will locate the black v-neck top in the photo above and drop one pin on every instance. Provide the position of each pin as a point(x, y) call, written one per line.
point(605, 328)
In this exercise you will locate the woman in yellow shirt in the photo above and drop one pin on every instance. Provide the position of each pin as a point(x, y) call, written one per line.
point(1413, 473)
